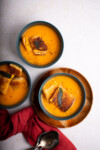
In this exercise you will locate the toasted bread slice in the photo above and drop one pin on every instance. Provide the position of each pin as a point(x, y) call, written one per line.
point(16, 70)
point(49, 91)
point(67, 100)
point(39, 52)
point(31, 41)
point(37, 43)
point(26, 43)
point(5, 79)
point(18, 80)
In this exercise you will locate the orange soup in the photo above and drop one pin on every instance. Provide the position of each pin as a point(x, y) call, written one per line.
point(16, 92)
point(51, 39)
point(71, 86)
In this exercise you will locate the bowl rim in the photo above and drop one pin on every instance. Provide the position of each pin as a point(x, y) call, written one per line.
point(83, 99)
point(29, 81)
point(32, 24)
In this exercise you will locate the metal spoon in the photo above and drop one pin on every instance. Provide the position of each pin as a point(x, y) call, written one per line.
point(47, 140)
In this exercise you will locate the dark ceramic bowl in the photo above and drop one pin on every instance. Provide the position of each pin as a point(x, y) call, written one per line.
point(29, 85)
point(82, 103)
point(48, 25)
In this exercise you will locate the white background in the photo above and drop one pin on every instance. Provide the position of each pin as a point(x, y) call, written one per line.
point(79, 23)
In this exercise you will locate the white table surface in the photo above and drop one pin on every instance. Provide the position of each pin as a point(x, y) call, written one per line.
point(79, 23)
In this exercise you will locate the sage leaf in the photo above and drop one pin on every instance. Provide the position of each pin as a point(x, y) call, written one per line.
point(36, 43)
point(5, 74)
point(60, 95)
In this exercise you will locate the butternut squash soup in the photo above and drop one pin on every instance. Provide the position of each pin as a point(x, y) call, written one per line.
point(61, 96)
point(13, 84)
point(40, 45)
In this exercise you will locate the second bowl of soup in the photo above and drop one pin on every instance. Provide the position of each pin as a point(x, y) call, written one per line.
point(15, 84)
point(40, 44)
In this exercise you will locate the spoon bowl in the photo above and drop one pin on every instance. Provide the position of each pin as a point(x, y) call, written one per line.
point(47, 140)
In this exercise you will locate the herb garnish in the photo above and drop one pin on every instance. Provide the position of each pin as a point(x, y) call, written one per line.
point(36, 43)
point(60, 95)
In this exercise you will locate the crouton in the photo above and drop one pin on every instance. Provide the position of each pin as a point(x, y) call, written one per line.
point(16, 70)
point(66, 102)
point(49, 91)
point(18, 80)
point(26, 43)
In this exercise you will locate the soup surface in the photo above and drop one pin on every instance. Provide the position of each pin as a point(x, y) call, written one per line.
point(15, 93)
point(51, 39)
point(71, 86)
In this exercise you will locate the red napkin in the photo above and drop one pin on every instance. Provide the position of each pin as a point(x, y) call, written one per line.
point(27, 122)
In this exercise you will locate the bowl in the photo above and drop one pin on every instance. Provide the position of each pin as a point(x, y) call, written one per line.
point(29, 85)
point(80, 107)
point(47, 25)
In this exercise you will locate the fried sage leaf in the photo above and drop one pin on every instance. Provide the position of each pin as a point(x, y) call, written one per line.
point(60, 95)
point(5, 74)
point(36, 43)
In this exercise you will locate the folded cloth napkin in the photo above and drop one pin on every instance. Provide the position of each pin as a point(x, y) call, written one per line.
point(27, 122)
